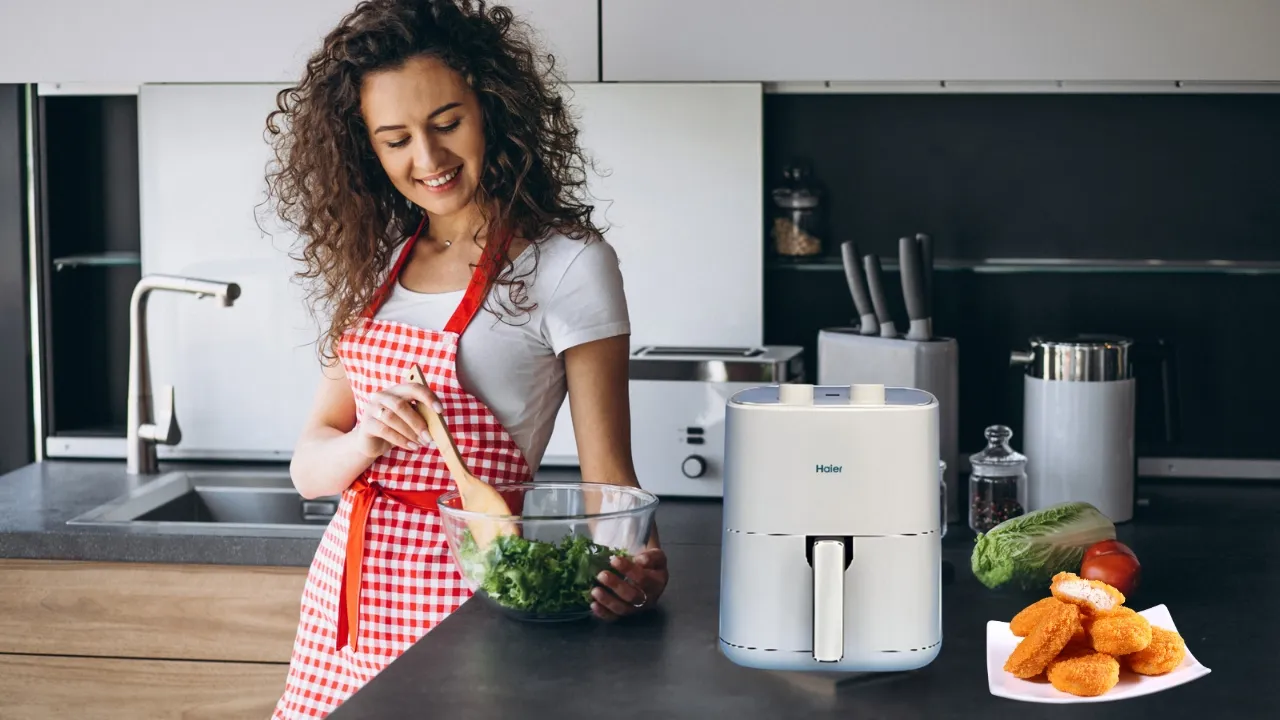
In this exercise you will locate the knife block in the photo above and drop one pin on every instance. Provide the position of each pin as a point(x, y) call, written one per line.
point(845, 357)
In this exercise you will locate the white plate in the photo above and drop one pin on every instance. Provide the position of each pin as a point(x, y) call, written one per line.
point(1001, 642)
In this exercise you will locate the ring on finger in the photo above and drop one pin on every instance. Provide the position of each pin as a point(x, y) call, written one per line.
point(643, 595)
point(382, 409)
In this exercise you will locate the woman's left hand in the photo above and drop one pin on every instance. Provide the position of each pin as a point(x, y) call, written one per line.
point(637, 588)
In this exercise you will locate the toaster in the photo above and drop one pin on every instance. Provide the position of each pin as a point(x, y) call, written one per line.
point(831, 554)
point(678, 397)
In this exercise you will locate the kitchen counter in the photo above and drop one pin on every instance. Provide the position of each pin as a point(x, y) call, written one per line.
point(1208, 553)
point(37, 500)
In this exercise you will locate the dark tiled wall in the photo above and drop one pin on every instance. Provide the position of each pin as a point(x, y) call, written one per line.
point(1070, 176)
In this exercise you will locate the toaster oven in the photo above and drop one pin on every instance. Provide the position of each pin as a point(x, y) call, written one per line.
point(678, 399)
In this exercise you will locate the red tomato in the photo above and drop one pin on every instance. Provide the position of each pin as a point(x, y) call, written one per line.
point(1119, 570)
point(1108, 547)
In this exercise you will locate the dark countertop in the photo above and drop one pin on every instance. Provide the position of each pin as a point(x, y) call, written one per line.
point(1208, 553)
point(37, 500)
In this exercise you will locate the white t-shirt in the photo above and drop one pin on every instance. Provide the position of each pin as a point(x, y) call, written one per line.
point(514, 364)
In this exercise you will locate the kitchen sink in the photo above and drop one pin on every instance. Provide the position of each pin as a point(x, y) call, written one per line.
point(218, 502)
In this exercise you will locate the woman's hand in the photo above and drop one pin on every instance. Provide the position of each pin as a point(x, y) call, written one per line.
point(392, 420)
point(637, 588)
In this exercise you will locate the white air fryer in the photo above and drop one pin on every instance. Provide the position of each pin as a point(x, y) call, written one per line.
point(831, 556)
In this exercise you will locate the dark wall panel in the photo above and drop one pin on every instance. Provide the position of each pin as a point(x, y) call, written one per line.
point(1070, 176)
point(16, 443)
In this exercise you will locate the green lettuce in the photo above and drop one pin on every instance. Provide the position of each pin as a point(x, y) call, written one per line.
point(1030, 549)
point(536, 576)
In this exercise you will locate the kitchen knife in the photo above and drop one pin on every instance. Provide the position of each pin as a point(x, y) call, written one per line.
point(858, 288)
point(926, 265)
point(875, 286)
point(913, 288)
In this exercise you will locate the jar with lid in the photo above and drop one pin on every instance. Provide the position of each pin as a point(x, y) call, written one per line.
point(797, 226)
point(997, 481)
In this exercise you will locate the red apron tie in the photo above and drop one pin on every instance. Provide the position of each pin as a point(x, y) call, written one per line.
point(361, 504)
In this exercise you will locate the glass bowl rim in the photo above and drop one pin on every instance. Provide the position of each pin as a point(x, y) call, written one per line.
point(651, 503)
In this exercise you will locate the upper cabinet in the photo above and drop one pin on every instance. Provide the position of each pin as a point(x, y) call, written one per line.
point(941, 40)
point(132, 42)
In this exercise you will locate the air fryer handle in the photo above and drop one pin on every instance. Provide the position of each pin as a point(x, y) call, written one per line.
point(828, 559)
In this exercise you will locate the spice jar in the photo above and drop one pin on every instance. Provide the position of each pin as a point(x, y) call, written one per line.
point(997, 482)
point(797, 228)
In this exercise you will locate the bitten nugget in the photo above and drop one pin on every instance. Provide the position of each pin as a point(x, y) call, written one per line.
point(1163, 654)
point(1025, 621)
point(1120, 633)
point(1092, 596)
point(1081, 671)
point(1046, 640)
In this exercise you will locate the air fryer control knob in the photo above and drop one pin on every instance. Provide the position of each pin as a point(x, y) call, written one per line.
point(693, 466)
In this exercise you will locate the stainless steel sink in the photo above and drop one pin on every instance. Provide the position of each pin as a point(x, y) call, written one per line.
point(218, 502)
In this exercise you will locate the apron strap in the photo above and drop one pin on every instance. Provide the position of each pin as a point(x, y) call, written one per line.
point(477, 288)
point(380, 295)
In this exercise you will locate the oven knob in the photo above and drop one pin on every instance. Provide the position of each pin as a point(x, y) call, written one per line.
point(693, 466)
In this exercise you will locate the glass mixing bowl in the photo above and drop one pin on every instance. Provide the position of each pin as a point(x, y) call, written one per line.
point(564, 535)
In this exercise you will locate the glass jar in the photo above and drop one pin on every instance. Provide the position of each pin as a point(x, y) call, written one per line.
point(797, 226)
point(997, 481)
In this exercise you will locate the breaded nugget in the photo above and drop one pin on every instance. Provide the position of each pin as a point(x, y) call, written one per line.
point(1120, 633)
point(1093, 596)
point(1163, 654)
point(1025, 621)
point(1081, 671)
point(1033, 653)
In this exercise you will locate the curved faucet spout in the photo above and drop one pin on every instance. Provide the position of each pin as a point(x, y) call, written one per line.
point(144, 432)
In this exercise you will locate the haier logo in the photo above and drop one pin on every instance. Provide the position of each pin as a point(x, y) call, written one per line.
point(827, 468)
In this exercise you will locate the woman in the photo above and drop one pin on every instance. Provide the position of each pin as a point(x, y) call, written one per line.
point(432, 172)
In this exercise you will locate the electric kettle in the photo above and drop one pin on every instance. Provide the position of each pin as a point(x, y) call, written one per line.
point(831, 539)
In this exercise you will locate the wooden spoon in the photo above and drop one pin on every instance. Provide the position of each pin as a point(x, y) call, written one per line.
point(477, 495)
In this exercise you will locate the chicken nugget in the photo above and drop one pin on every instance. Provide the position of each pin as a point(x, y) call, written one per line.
point(1025, 621)
point(1032, 655)
point(1120, 633)
point(1081, 671)
point(1163, 654)
point(1094, 597)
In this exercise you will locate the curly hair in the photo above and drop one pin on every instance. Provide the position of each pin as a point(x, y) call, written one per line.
point(331, 189)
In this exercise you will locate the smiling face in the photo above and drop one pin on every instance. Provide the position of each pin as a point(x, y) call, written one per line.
point(427, 130)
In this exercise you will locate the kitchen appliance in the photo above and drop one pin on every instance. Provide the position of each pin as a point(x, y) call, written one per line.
point(1078, 422)
point(831, 548)
point(678, 397)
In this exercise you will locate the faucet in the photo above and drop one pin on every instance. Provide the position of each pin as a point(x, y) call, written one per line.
point(144, 432)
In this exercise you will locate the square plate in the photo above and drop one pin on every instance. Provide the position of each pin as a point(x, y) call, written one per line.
point(1001, 642)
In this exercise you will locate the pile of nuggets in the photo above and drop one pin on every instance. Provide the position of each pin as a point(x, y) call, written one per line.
point(1080, 635)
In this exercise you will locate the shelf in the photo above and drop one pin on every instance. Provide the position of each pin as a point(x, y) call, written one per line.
point(105, 259)
point(1056, 265)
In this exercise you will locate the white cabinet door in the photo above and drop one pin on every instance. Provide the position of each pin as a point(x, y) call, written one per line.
point(936, 40)
point(144, 41)
point(680, 192)
point(243, 375)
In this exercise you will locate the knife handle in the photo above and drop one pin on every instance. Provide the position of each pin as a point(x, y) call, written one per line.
point(868, 324)
point(913, 287)
point(875, 286)
point(926, 270)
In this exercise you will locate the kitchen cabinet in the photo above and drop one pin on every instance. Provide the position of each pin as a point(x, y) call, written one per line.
point(930, 41)
point(145, 640)
point(139, 41)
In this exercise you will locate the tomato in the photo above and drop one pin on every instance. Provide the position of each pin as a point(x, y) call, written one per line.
point(1118, 569)
point(1108, 547)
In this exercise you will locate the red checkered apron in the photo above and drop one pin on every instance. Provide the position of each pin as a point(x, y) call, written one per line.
point(383, 577)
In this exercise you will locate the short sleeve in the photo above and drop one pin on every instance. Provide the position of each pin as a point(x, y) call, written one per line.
point(589, 303)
